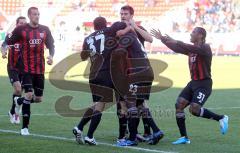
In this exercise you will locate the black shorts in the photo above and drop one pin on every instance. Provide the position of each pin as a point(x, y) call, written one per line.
point(14, 76)
point(33, 82)
point(197, 91)
point(141, 90)
point(102, 87)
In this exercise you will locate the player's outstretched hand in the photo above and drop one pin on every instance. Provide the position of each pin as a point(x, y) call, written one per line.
point(49, 60)
point(157, 34)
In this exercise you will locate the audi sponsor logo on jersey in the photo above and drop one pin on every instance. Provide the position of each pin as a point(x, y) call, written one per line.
point(35, 41)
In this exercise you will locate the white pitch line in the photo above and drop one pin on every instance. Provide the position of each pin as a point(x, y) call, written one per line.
point(55, 114)
point(217, 108)
point(101, 143)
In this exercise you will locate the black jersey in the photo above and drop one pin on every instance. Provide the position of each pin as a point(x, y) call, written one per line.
point(100, 44)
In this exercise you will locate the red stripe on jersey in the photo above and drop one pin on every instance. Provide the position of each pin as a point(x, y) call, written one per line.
point(24, 51)
point(195, 71)
point(38, 52)
point(10, 54)
point(200, 68)
point(32, 63)
point(42, 59)
point(16, 54)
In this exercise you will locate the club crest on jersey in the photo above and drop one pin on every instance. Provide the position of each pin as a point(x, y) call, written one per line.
point(41, 35)
point(193, 58)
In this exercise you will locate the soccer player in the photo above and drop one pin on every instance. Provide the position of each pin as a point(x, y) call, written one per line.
point(33, 37)
point(94, 46)
point(199, 88)
point(14, 68)
point(127, 13)
point(140, 77)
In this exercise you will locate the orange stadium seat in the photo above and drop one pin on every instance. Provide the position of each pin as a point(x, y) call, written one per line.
point(10, 7)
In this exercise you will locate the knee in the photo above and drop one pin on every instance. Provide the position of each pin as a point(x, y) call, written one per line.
point(180, 104)
point(194, 109)
point(29, 96)
point(99, 106)
point(18, 89)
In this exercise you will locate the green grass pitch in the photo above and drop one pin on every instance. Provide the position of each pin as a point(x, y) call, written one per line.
point(204, 134)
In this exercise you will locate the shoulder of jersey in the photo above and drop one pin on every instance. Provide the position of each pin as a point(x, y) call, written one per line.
point(43, 26)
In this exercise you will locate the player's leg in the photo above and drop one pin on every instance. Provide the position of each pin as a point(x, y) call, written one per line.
point(200, 96)
point(28, 88)
point(17, 91)
point(182, 102)
point(133, 117)
point(78, 130)
point(147, 130)
point(95, 120)
point(157, 133)
point(38, 85)
point(102, 91)
point(130, 112)
point(122, 119)
point(87, 116)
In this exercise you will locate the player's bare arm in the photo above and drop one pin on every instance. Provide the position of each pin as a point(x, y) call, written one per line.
point(168, 41)
point(147, 36)
point(4, 50)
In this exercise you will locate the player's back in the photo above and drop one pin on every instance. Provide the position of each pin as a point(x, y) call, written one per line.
point(136, 51)
point(135, 48)
point(101, 43)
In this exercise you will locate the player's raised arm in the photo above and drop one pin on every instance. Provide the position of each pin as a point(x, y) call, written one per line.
point(169, 42)
point(143, 32)
point(203, 49)
point(15, 36)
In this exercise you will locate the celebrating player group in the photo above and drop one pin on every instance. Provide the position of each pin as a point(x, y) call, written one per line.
point(119, 63)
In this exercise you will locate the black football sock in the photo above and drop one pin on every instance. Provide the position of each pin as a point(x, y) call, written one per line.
point(180, 118)
point(20, 100)
point(85, 119)
point(95, 120)
point(205, 113)
point(12, 110)
point(147, 130)
point(26, 113)
point(122, 119)
point(148, 118)
point(133, 117)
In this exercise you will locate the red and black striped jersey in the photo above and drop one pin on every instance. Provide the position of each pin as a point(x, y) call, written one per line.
point(14, 56)
point(33, 41)
point(199, 58)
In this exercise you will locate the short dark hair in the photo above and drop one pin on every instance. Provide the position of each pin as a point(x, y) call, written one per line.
point(202, 31)
point(19, 18)
point(128, 8)
point(99, 23)
point(31, 8)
